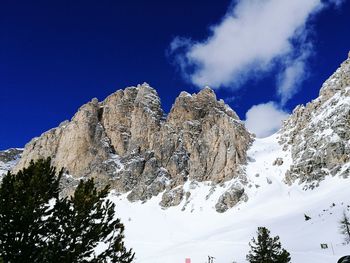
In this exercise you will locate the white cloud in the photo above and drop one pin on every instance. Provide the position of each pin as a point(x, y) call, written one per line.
point(294, 73)
point(264, 119)
point(253, 36)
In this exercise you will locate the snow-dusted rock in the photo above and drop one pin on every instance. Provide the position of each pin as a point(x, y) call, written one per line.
point(318, 134)
point(172, 197)
point(230, 198)
point(8, 159)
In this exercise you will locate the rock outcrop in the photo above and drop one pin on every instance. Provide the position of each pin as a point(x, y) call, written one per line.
point(318, 134)
point(230, 198)
point(128, 142)
point(172, 197)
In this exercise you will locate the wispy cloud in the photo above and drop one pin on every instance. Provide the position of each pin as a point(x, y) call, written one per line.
point(253, 37)
point(293, 72)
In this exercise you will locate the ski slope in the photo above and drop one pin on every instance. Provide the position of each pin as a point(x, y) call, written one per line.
point(171, 235)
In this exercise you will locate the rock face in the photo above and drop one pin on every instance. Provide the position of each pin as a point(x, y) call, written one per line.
point(208, 135)
point(126, 141)
point(80, 146)
point(318, 134)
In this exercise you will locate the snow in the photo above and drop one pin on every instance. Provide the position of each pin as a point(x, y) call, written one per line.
point(195, 230)
point(337, 101)
point(73, 178)
point(185, 94)
point(7, 166)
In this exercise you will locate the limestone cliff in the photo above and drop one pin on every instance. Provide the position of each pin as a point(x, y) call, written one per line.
point(128, 142)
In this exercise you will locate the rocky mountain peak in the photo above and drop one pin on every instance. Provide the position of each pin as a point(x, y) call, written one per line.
point(125, 141)
point(207, 92)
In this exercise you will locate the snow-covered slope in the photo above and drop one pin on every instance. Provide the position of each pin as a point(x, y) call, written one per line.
point(171, 235)
point(8, 159)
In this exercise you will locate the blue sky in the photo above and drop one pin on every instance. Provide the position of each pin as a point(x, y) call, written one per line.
point(261, 57)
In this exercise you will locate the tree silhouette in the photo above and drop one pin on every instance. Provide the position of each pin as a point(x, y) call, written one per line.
point(38, 226)
point(266, 249)
point(345, 227)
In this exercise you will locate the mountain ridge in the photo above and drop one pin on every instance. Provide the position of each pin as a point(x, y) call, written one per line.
point(171, 214)
point(127, 141)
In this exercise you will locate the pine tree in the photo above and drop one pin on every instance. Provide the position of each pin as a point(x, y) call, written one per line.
point(85, 220)
point(307, 218)
point(24, 204)
point(345, 227)
point(267, 249)
point(32, 229)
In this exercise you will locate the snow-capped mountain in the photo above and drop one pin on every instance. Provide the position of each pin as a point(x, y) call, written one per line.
point(126, 141)
point(196, 183)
